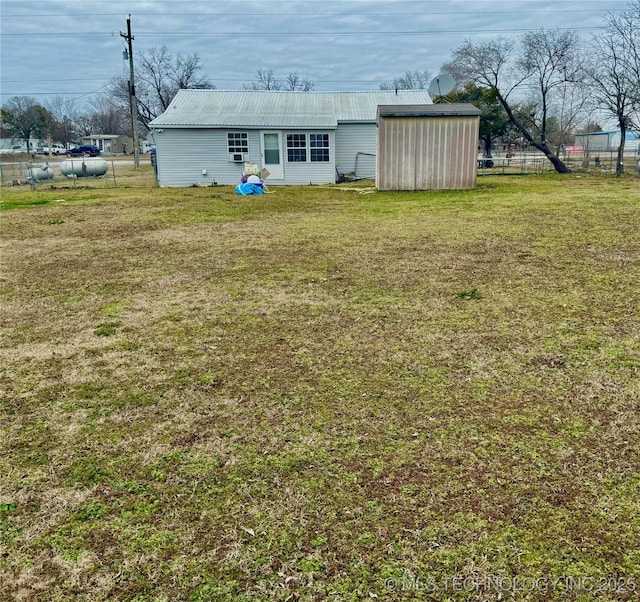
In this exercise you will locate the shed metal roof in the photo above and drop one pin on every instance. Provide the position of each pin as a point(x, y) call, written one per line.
point(270, 109)
point(431, 110)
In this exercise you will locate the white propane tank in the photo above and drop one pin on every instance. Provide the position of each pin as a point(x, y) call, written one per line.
point(83, 168)
point(40, 173)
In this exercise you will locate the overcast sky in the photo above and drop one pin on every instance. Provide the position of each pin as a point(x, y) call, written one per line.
point(72, 48)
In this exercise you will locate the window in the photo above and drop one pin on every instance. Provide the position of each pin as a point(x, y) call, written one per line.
point(319, 144)
point(298, 151)
point(238, 142)
point(296, 148)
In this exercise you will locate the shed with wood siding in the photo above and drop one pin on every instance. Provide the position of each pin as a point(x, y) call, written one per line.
point(426, 147)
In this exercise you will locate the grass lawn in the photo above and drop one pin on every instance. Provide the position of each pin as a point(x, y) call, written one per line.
point(321, 395)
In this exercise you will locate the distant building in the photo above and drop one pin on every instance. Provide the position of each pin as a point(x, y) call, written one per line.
point(607, 141)
point(110, 144)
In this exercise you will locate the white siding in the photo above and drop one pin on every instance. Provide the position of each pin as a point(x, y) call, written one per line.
point(309, 172)
point(354, 138)
point(183, 154)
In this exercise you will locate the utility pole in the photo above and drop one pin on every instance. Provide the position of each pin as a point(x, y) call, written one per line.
point(132, 96)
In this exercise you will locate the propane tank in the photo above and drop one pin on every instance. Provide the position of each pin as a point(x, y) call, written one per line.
point(83, 168)
point(36, 174)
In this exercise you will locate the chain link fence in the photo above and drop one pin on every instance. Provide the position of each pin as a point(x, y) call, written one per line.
point(47, 173)
point(601, 161)
point(74, 173)
point(515, 164)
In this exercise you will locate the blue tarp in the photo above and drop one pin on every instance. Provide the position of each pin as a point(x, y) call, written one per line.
point(249, 188)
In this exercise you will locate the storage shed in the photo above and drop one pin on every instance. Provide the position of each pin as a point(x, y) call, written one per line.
point(424, 147)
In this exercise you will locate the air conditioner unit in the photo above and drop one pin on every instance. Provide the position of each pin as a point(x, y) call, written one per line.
point(237, 157)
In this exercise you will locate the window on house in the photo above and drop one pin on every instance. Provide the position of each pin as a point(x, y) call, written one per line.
point(296, 148)
point(316, 150)
point(238, 142)
point(319, 144)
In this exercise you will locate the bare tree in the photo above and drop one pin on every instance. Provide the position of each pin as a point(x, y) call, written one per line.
point(547, 63)
point(24, 119)
point(494, 122)
point(266, 79)
point(65, 116)
point(294, 82)
point(614, 71)
point(409, 80)
point(570, 109)
point(158, 77)
point(589, 127)
point(564, 114)
point(628, 26)
point(107, 117)
point(550, 58)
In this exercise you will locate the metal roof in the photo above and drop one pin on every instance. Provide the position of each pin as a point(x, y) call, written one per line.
point(431, 110)
point(270, 109)
point(363, 106)
point(629, 134)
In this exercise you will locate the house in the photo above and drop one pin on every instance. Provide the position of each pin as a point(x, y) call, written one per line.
point(427, 147)
point(110, 144)
point(207, 136)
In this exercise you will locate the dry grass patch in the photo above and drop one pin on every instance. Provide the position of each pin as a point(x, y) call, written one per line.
point(207, 397)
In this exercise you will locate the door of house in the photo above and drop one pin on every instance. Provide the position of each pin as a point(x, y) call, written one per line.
point(272, 154)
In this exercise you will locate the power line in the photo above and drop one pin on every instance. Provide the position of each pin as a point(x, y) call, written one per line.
point(73, 79)
point(306, 14)
point(254, 34)
point(220, 79)
point(77, 95)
